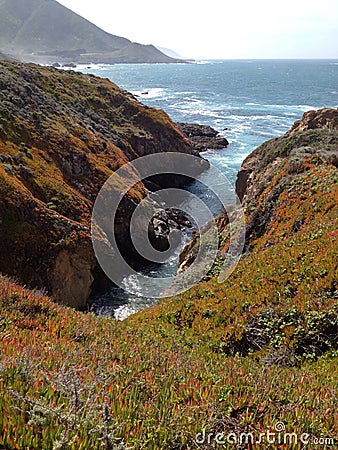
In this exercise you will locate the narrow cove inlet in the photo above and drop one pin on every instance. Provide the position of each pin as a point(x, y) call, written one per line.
point(245, 115)
point(120, 302)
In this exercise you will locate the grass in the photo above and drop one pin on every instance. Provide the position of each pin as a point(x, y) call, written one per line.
point(67, 377)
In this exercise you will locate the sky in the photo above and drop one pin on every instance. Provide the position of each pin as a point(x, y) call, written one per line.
point(221, 29)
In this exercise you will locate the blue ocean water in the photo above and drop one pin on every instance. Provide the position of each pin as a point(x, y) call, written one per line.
point(247, 101)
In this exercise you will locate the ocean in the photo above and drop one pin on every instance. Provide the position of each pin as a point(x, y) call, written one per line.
point(247, 101)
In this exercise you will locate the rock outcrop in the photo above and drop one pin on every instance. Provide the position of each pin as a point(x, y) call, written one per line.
point(62, 134)
point(203, 137)
point(322, 118)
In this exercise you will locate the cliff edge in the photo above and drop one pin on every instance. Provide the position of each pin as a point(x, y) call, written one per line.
point(62, 134)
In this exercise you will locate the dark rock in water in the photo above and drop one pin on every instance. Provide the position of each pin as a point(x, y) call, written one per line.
point(179, 218)
point(203, 137)
point(164, 228)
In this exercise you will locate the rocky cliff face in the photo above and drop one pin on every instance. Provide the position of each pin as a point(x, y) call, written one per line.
point(311, 120)
point(263, 159)
point(62, 135)
point(277, 181)
point(273, 168)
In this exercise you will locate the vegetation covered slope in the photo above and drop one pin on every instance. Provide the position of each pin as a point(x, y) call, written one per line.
point(237, 357)
point(62, 135)
point(46, 31)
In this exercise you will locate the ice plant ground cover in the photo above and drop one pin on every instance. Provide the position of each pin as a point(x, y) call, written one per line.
point(232, 357)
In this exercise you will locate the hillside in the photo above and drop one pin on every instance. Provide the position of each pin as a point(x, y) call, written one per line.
point(62, 134)
point(254, 354)
point(45, 31)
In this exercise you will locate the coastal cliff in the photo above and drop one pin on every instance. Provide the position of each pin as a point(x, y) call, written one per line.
point(224, 359)
point(273, 174)
point(269, 173)
point(62, 134)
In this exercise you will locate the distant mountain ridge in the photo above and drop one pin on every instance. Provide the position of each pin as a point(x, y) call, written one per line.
point(45, 31)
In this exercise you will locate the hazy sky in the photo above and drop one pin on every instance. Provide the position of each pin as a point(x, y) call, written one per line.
point(220, 28)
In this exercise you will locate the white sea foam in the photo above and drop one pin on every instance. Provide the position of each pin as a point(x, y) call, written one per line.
point(292, 107)
point(278, 106)
point(132, 283)
point(150, 93)
point(189, 100)
point(200, 112)
point(92, 66)
point(263, 117)
point(124, 311)
point(237, 118)
point(228, 160)
point(240, 127)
